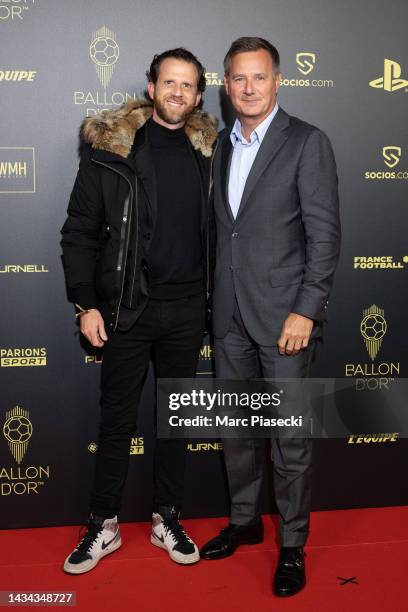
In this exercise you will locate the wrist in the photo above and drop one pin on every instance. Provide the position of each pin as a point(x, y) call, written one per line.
point(82, 311)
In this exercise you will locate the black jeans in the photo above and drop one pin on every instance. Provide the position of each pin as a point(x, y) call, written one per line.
point(171, 331)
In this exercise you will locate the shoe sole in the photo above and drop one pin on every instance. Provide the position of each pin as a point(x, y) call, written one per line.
point(248, 542)
point(107, 551)
point(291, 593)
point(161, 545)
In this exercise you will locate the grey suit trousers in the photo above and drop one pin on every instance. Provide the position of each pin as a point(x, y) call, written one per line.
point(238, 356)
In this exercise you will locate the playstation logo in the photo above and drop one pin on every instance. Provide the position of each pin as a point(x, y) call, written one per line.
point(391, 80)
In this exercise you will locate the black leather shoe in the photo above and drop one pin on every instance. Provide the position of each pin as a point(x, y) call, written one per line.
point(229, 538)
point(290, 575)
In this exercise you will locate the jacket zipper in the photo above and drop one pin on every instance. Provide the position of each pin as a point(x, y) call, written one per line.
point(137, 235)
point(123, 240)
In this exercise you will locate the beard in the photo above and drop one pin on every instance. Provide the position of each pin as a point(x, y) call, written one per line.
point(170, 115)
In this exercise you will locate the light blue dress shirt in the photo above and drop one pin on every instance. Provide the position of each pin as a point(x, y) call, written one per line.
point(243, 157)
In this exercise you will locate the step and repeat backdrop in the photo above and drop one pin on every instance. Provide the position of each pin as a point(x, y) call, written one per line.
point(345, 67)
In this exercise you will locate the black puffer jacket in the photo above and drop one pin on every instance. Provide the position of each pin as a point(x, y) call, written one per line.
point(111, 212)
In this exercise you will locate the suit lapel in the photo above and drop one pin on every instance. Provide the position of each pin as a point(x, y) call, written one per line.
point(225, 165)
point(272, 142)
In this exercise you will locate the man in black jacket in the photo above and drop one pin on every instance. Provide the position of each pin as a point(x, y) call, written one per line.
point(136, 259)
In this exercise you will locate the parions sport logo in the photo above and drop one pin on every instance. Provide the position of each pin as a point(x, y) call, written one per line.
point(374, 375)
point(306, 62)
point(23, 357)
point(391, 157)
point(20, 479)
point(104, 54)
point(136, 446)
point(14, 10)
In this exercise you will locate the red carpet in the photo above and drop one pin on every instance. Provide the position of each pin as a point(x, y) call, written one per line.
point(368, 545)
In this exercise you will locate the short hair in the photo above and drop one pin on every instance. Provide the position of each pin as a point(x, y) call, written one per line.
point(181, 54)
point(250, 43)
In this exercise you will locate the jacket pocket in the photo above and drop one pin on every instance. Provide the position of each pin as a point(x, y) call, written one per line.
point(287, 275)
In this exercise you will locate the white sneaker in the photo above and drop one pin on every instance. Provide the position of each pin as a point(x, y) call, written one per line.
point(102, 537)
point(170, 535)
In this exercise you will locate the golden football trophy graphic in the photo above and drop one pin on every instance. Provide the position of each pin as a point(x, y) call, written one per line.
point(373, 327)
point(104, 52)
point(17, 430)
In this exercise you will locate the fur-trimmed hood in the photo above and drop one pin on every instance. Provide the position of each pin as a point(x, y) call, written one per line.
point(115, 130)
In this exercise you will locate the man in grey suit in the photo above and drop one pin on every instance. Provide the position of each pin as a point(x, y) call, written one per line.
point(278, 240)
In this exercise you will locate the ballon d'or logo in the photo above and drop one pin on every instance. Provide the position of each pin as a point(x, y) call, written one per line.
point(373, 327)
point(104, 52)
point(17, 430)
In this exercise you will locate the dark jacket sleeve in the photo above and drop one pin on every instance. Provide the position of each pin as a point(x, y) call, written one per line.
point(80, 236)
point(318, 192)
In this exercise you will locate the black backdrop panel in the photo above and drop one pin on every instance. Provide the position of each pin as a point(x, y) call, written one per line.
point(53, 72)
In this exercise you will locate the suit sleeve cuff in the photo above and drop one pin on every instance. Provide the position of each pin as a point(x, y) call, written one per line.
point(307, 308)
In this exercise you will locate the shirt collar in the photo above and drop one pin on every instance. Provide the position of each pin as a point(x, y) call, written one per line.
point(258, 133)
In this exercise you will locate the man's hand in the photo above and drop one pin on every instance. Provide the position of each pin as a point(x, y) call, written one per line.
point(295, 334)
point(93, 327)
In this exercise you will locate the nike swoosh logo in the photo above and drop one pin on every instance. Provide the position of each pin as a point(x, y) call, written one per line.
point(161, 538)
point(105, 544)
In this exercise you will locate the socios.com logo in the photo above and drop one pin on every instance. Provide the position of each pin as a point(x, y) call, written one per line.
point(305, 62)
point(392, 156)
point(390, 81)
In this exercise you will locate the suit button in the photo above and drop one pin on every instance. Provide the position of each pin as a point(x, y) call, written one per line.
point(148, 236)
point(235, 235)
point(231, 267)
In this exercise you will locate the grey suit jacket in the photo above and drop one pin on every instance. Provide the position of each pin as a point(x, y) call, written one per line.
point(280, 253)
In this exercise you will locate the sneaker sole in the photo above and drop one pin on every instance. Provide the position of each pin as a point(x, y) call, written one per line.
point(72, 570)
point(161, 545)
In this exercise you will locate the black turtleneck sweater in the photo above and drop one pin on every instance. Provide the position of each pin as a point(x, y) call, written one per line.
point(175, 262)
